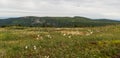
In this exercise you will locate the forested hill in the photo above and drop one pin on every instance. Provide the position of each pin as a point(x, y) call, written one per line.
point(32, 21)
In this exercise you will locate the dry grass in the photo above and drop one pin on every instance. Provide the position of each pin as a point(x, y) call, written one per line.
point(102, 42)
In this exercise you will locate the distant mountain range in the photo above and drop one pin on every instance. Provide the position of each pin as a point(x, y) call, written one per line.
point(32, 21)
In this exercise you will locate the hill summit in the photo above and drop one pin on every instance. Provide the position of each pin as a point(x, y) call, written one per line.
point(33, 21)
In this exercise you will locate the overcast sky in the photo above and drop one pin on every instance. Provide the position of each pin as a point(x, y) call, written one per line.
point(87, 8)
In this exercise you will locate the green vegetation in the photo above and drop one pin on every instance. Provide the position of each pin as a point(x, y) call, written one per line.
point(32, 21)
point(37, 42)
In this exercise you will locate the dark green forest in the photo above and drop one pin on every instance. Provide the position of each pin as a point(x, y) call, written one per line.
point(32, 21)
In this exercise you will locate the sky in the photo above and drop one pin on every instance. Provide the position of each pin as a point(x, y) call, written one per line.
point(88, 8)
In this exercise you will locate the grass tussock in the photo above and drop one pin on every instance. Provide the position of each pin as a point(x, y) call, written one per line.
point(95, 42)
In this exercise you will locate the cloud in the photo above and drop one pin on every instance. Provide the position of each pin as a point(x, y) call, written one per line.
point(87, 8)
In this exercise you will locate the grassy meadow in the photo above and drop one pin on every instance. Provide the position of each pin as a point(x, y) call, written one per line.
point(37, 42)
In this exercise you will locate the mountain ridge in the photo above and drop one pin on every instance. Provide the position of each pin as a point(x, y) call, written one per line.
point(76, 21)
